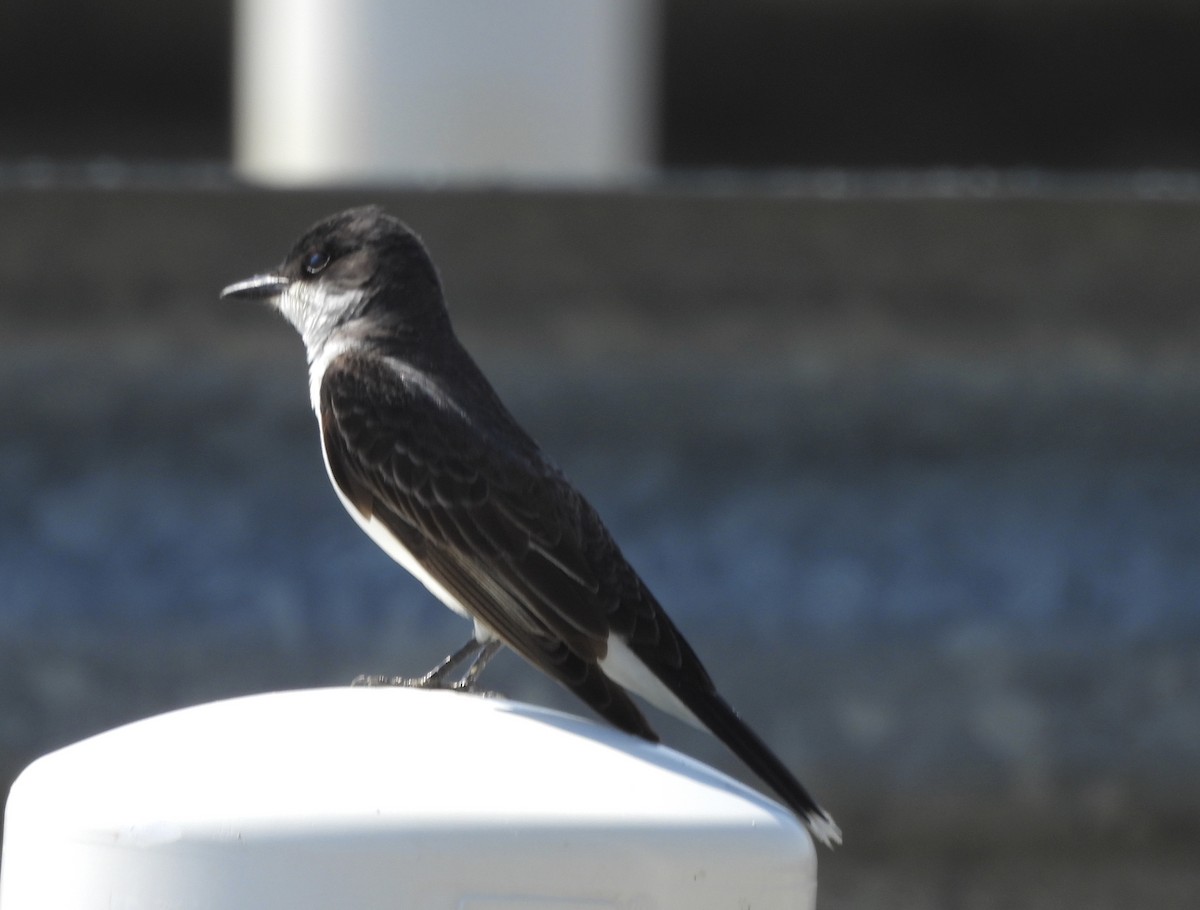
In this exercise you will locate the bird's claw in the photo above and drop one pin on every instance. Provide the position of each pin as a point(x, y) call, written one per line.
point(476, 653)
point(469, 687)
point(407, 682)
point(430, 681)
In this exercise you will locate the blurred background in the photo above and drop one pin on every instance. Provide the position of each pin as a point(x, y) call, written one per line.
point(869, 327)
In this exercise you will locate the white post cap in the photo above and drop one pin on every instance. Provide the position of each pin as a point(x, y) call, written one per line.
point(390, 798)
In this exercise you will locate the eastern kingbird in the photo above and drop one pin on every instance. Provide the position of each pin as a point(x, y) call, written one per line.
point(430, 463)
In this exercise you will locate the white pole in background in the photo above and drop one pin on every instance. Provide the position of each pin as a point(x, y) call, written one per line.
point(360, 91)
point(390, 799)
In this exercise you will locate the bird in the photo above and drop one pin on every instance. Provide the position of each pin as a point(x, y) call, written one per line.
point(432, 465)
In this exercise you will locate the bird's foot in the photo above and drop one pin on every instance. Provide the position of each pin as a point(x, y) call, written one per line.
point(470, 687)
point(428, 681)
point(466, 686)
point(478, 654)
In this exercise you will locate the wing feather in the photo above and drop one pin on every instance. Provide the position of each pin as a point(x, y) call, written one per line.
point(490, 519)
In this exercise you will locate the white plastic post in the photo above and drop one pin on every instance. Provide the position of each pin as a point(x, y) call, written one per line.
point(356, 91)
point(390, 798)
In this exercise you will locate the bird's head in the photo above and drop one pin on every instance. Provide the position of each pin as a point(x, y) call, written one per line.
point(359, 263)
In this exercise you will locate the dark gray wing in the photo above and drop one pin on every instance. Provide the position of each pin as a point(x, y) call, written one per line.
point(479, 507)
point(486, 515)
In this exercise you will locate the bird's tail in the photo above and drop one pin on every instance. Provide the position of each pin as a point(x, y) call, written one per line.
point(722, 721)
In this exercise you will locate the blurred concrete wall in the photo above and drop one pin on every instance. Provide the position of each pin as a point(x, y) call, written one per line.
point(917, 476)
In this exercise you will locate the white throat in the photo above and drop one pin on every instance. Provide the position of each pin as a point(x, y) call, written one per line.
point(315, 312)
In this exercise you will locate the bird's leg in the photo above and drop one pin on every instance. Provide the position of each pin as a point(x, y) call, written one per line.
point(435, 678)
point(468, 680)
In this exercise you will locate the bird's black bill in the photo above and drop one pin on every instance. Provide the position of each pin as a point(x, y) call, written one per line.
point(260, 287)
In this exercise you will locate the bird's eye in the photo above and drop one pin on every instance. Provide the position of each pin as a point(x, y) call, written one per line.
point(315, 261)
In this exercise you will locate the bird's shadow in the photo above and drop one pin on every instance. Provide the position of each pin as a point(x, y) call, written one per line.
point(656, 754)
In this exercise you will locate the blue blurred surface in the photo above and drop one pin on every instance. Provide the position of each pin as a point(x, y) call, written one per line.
point(918, 480)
